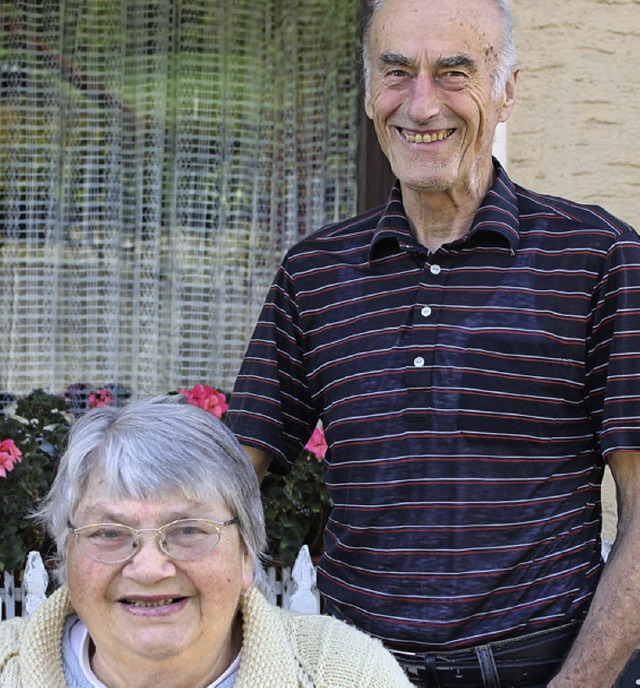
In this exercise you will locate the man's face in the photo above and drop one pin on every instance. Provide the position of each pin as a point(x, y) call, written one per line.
point(432, 64)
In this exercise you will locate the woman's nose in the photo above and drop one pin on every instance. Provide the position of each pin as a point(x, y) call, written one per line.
point(149, 563)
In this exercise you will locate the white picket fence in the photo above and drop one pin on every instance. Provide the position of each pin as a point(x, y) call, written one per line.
point(291, 588)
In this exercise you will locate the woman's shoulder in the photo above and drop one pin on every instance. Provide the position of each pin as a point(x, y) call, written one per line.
point(11, 633)
point(344, 655)
point(326, 651)
point(38, 638)
point(11, 636)
point(311, 631)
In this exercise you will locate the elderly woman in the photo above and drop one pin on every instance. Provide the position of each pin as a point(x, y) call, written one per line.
point(158, 522)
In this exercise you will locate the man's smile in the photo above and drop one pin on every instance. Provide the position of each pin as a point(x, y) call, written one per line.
point(426, 137)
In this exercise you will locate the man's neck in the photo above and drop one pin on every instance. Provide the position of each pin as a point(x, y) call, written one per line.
point(441, 217)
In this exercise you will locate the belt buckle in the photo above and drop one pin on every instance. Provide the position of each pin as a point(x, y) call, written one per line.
point(420, 667)
point(402, 654)
point(431, 669)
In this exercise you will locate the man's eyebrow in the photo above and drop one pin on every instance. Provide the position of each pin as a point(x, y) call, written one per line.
point(391, 59)
point(395, 60)
point(456, 61)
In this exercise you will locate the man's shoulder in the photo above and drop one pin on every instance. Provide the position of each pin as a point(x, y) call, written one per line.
point(569, 214)
point(353, 232)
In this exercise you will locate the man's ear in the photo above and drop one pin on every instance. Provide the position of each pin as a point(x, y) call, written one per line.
point(368, 107)
point(509, 96)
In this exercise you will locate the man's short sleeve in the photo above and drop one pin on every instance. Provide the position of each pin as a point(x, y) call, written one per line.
point(613, 349)
point(270, 407)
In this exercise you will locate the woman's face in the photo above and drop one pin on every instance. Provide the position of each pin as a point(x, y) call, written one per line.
point(153, 611)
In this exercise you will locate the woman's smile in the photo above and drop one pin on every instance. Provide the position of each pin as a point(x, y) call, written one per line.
point(151, 607)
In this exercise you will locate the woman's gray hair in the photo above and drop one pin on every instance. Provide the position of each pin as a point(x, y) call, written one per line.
point(507, 56)
point(156, 448)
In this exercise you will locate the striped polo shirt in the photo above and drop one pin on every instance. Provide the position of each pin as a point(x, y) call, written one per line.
point(470, 398)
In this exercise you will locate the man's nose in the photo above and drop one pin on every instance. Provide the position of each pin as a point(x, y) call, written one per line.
point(424, 98)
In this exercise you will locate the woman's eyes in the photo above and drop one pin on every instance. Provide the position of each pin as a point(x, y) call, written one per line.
point(190, 530)
point(108, 534)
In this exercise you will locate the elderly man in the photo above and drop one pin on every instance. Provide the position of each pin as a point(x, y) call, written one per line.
point(472, 349)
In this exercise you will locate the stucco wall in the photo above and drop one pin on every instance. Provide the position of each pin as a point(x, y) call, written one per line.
point(575, 131)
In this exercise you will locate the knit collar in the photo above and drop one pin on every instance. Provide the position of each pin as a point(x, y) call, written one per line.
point(266, 646)
point(40, 655)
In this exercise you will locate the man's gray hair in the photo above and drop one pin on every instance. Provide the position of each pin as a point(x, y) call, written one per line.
point(156, 448)
point(507, 56)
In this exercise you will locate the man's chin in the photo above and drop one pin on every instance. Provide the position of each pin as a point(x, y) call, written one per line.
point(427, 183)
point(446, 178)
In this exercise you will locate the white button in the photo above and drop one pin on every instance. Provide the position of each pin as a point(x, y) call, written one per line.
point(418, 362)
point(426, 311)
point(435, 269)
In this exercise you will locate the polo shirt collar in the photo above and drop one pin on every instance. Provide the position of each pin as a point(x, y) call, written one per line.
point(497, 215)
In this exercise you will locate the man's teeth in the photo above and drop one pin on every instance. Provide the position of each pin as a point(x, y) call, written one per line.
point(428, 138)
point(157, 603)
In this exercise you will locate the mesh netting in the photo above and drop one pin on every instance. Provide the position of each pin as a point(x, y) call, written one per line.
point(156, 159)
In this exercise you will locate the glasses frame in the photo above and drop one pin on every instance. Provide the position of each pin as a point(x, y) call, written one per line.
point(218, 525)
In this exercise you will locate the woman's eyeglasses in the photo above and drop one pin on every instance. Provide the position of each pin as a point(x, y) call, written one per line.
point(185, 540)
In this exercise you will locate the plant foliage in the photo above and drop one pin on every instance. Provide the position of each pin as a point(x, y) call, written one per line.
point(296, 507)
point(39, 429)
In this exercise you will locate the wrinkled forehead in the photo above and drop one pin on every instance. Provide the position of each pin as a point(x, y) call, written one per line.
point(437, 29)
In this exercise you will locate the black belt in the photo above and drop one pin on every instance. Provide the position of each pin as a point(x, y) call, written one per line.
point(530, 660)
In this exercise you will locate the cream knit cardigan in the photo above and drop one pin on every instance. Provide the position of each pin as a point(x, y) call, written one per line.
point(279, 650)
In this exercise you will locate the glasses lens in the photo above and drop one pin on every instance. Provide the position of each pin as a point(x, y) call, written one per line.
point(108, 543)
point(190, 538)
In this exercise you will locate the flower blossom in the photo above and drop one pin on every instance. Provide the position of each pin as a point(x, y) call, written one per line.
point(10, 455)
point(99, 398)
point(207, 398)
point(317, 445)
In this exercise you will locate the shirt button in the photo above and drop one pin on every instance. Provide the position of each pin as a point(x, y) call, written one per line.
point(418, 362)
point(435, 269)
point(426, 311)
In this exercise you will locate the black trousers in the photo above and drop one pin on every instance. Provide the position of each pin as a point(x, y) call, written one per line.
point(530, 660)
point(630, 677)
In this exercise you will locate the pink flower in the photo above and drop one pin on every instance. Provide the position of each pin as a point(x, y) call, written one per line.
point(207, 398)
point(99, 398)
point(10, 455)
point(317, 444)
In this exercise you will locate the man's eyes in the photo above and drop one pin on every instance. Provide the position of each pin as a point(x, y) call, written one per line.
point(397, 73)
point(451, 80)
